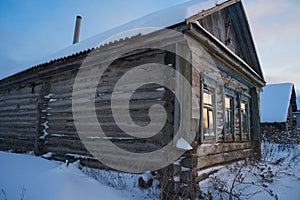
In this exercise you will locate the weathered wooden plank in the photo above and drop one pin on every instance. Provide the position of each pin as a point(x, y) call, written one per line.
point(23, 111)
point(13, 113)
point(223, 157)
point(20, 101)
point(5, 131)
point(65, 109)
point(76, 147)
point(63, 92)
point(19, 124)
point(16, 118)
point(208, 149)
point(19, 96)
point(17, 144)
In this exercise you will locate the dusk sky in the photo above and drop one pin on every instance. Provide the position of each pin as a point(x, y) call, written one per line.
point(32, 29)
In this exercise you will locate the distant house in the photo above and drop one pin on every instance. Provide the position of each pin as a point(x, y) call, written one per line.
point(297, 114)
point(223, 107)
point(277, 104)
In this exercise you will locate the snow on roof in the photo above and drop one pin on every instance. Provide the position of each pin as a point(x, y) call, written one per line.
point(298, 103)
point(275, 101)
point(157, 20)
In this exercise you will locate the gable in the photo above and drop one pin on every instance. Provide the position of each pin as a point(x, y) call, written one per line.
point(230, 26)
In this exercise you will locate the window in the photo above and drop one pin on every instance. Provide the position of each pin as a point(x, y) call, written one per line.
point(229, 115)
point(208, 113)
point(244, 119)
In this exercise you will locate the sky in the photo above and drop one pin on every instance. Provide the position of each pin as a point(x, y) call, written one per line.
point(33, 29)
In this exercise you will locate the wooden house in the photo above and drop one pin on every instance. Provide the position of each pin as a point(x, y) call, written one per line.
point(220, 63)
point(278, 103)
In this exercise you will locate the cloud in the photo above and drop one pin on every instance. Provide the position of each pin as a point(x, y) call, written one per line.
point(257, 9)
point(286, 76)
point(275, 28)
point(273, 21)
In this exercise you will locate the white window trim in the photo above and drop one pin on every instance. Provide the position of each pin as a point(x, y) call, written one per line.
point(230, 92)
point(245, 99)
point(210, 83)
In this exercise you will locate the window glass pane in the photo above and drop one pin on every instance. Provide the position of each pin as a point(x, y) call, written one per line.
point(228, 121)
point(205, 121)
point(245, 124)
point(227, 102)
point(211, 122)
point(207, 98)
point(229, 114)
point(243, 107)
point(245, 121)
point(208, 114)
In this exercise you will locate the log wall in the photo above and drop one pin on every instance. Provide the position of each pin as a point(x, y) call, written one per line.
point(36, 112)
point(19, 116)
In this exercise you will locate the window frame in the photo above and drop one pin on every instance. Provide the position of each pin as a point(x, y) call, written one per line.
point(244, 135)
point(229, 92)
point(210, 110)
point(231, 123)
point(208, 83)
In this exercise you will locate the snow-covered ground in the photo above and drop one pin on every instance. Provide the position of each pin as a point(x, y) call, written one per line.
point(26, 177)
point(277, 176)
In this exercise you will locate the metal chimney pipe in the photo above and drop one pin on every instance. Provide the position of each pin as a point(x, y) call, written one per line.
point(77, 29)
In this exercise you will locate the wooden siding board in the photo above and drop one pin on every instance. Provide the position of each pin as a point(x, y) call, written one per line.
point(223, 158)
point(241, 42)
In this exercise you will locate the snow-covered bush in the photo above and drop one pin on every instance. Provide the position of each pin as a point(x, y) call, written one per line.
point(253, 179)
point(126, 182)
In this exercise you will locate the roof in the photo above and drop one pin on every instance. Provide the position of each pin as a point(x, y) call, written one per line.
point(298, 103)
point(159, 19)
point(165, 18)
point(275, 101)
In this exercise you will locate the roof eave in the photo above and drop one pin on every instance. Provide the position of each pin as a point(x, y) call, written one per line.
point(252, 40)
point(211, 10)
